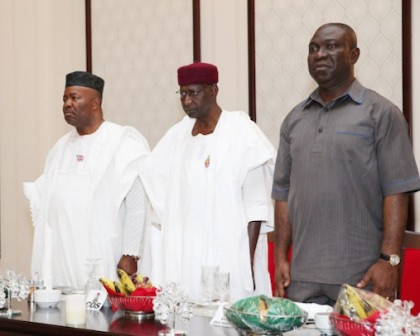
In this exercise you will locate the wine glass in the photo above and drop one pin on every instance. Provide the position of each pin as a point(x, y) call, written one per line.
point(93, 267)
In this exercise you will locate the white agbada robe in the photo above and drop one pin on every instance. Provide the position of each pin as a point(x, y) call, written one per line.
point(77, 204)
point(205, 189)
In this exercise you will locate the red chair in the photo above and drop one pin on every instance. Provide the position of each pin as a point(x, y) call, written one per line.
point(409, 288)
point(271, 263)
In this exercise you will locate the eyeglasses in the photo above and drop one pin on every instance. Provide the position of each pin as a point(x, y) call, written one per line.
point(191, 93)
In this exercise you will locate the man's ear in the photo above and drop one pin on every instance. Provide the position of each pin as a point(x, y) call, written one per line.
point(214, 90)
point(355, 54)
point(96, 102)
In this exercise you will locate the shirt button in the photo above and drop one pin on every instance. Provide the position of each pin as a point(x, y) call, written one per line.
point(320, 130)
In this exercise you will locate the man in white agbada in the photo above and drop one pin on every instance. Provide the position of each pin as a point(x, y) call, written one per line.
point(209, 181)
point(89, 203)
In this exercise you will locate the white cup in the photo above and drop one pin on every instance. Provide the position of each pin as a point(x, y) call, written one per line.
point(323, 324)
point(76, 309)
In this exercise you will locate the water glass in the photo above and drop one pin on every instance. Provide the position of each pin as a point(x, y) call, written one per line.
point(208, 282)
point(222, 286)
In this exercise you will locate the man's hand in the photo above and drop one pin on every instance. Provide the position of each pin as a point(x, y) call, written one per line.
point(383, 276)
point(283, 240)
point(384, 279)
point(253, 234)
point(282, 279)
point(128, 264)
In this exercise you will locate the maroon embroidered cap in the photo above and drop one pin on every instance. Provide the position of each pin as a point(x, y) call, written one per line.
point(198, 73)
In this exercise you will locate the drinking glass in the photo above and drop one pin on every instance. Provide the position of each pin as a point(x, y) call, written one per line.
point(93, 268)
point(208, 282)
point(222, 286)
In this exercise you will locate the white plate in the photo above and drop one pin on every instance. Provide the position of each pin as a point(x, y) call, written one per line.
point(47, 304)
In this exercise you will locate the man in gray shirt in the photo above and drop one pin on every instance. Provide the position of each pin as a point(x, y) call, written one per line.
point(343, 171)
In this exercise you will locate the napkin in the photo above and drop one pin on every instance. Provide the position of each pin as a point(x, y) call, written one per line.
point(313, 308)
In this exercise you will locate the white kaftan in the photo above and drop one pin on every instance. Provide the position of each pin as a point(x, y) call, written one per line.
point(80, 205)
point(205, 189)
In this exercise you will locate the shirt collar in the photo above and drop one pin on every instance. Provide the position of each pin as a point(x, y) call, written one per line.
point(356, 92)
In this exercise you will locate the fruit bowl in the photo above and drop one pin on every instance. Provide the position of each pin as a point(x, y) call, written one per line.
point(348, 327)
point(265, 322)
point(132, 304)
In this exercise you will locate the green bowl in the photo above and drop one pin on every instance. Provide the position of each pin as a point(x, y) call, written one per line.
point(262, 315)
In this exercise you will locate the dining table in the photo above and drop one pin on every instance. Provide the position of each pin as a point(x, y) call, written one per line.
point(29, 319)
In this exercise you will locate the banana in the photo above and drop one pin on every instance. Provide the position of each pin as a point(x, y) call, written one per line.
point(126, 281)
point(127, 284)
point(107, 283)
point(119, 288)
point(354, 305)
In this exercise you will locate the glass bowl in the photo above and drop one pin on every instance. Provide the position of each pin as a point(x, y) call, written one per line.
point(348, 327)
point(137, 304)
point(254, 323)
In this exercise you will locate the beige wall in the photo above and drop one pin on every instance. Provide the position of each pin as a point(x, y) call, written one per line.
point(42, 40)
point(224, 42)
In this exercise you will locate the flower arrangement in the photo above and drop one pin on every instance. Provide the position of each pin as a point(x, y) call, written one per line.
point(12, 285)
point(171, 300)
point(397, 320)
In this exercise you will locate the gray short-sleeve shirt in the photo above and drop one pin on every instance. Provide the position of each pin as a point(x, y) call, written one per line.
point(335, 164)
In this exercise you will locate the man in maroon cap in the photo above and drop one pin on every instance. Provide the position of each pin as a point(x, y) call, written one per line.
point(209, 182)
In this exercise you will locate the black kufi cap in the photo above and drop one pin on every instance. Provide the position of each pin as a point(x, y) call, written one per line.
point(86, 79)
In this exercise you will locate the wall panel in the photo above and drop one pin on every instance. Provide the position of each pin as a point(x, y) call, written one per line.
point(137, 46)
point(282, 33)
